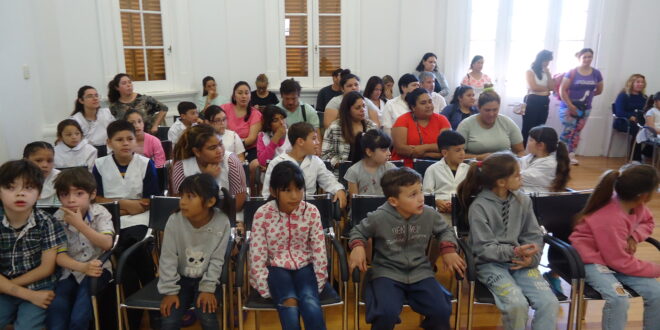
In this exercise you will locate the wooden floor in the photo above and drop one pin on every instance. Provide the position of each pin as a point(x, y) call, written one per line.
point(583, 176)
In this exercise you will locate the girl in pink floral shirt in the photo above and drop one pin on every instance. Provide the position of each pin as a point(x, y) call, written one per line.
point(287, 252)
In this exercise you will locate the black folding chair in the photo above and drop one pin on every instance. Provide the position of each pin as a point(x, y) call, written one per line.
point(420, 165)
point(397, 163)
point(163, 178)
point(328, 297)
point(343, 168)
point(162, 132)
point(101, 151)
point(167, 148)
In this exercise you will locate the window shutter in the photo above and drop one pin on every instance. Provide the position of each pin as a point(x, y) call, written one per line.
point(142, 33)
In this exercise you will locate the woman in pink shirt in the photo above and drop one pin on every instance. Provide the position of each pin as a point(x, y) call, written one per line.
point(243, 118)
point(147, 145)
point(606, 235)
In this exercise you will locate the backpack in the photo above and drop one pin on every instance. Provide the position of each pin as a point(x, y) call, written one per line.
point(557, 78)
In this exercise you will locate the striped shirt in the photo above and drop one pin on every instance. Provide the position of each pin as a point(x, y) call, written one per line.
point(21, 248)
point(237, 182)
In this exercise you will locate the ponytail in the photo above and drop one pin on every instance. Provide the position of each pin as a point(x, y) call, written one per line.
point(470, 187)
point(193, 137)
point(563, 171)
point(356, 153)
point(372, 139)
point(600, 196)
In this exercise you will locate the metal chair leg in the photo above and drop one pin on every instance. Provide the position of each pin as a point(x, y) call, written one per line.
point(257, 320)
point(573, 304)
point(119, 309)
point(356, 306)
point(581, 305)
point(470, 304)
point(457, 319)
point(95, 308)
point(344, 323)
point(239, 308)
point(224, 306)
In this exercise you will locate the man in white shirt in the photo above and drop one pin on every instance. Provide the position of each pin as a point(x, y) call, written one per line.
point(398, 106)
point(427, 81)
point(188, 115)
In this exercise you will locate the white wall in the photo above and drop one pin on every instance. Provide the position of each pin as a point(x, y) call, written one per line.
point(65, 45)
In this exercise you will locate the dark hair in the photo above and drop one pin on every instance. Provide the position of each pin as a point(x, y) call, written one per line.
point(205, 187)
point(233, 100)
point(300, 130)
point(337, 72)
point(499, 165)
point(411, 98)
point(405, 80)
point(346, 75)
point(78, 177)
point(629, 182)
point(459, 92)
point(475, 59)
point(24, 169)
point(650, 102)
point(185, 106)
point(64, 124)
point(33, 147)
point(488, 96)
point(420, 66)
point(548, 136)
point(77, 106)
point(345, 121)
point(204, 81)
point(289, 86)
point(387, 78)
point(132, 111)
point(268, 115)
point(449, 138)
point(113, 93)
point(212, 111)
point(193, 137)
point(283, 174)
point(394, 179)
point(372, 139)
point(537, 65)
point(584, 51)
point(371, 86)
point(119, 126)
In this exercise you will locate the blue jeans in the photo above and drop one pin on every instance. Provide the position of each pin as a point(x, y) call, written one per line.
point(615, 312)
point(512, 289)
point(300, 285)
point(385, 297)
point(22, 313)
point(188, 293)
point(72, 306)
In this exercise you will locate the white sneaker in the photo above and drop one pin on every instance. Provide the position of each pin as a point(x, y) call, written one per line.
point(572, 158)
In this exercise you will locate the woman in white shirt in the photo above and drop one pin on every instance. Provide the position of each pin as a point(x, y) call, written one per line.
point(374, 92)
point(93, 119)
point(539, 85)
point(547, 166)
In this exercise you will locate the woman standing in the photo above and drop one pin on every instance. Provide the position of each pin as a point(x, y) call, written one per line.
point(475, 77)
point(539, 85)
point(578, 88)
point(429, 63)
point(243, 118)
point(92, 118)
point(122, 98)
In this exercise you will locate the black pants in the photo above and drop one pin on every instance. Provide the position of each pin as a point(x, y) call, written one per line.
point(536, 113)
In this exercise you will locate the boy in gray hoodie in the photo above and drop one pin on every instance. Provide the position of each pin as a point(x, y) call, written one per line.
point(401, 229)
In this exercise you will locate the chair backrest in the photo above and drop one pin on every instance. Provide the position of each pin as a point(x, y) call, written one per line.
point(459, 217)
point(167, 148)
point(68, 168)
point(328, 165)
point(101, 151)
point(361, 205)
point(162, 132)
point(249, 209)
point(115, 212)
point(556, 211)
point(343, 168)
point(429, 199)
point(397, 163)
point(327, 209)
point(48, 208)
point(163, 179)
point(160, 209)
point(246, 169)
point(420, 165)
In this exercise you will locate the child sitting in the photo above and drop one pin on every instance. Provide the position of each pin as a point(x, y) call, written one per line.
point(71, 149)
point(606, 235)
point(193, 253)
point(30, 238)
point(443, 177)
point(146, 144)
point(287, 253)
point(130, 179)
point(304, 141)
point(271, 141)
point(42, 154)
point(89, 230)
point(401, 230)
point(217, 118)
point(188, 116)
point(372, 152)
point(547, 166)
point(507, 242)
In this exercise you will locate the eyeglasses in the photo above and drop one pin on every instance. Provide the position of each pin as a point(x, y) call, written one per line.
point(91, 96)
point(218, 121)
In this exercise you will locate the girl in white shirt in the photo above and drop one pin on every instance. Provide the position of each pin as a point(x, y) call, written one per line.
point(547, 166)
point(217, 118)
point(93, 119)
point(71, 148)
point(42, 154)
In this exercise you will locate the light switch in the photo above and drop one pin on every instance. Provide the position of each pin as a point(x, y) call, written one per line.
point(26, 72)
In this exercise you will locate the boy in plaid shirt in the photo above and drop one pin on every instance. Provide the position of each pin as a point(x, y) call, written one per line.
point(29, 239)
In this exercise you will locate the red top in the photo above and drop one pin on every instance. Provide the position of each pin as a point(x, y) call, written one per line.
point(429, 133)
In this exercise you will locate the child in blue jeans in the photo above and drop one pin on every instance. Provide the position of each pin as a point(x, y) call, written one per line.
point(507, 242)
point(401, 230)
point(193, 254)
point(89, 232)
point(29, 239)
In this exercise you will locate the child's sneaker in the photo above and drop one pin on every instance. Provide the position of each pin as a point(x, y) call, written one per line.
point(555, 286)
point(572, 158)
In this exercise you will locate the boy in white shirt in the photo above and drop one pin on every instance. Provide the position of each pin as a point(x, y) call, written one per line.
point(443, 177)
point(398, 106)
point(188, 115)
point(304, 141)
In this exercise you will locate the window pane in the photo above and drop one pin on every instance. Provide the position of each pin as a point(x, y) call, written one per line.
point(565, 56)
point(485, 49)
point(156, 64)
point(296, 62)
point(529, 20)
point(574, 5)
point(295, 6)
point(129, 4)
point(483, 24)
point(297, 31)
point(153, 30)
point(521, 56)
point(134, 59)
point(131, 29)
point(330, 60)
point(151, 5)
point(329, 31)
point(573, 25)
point(329, 7)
